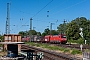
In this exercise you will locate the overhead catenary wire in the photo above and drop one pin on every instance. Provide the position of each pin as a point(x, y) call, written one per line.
point(20, 10)
point(60, 10)
point(60, 4)
point(69, 7)
point(40, 10)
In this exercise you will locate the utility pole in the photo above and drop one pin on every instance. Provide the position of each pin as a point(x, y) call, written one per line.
point(51, 28)
point(8, 19)
point(30, 33)
point(31, 23)
point(64, 26)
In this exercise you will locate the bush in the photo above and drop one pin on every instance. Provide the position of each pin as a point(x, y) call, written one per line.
point(74, 51)
point(79, 41)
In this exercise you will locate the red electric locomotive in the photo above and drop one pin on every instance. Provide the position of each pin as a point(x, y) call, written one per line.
point(55, 39)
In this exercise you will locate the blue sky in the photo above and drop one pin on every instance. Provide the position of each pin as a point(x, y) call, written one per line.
point(37, 9)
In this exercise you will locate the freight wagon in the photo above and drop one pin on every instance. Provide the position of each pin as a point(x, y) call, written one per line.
point(34, 38)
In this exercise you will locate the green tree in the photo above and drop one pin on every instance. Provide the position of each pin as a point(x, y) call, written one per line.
point(54, 32)
point(22, 33)
point(62, 28)
point(86, 31)
point(1, 38)
point(46, 32)
point(33, 32)
point(38, 33)
point(73, 27)
point(72, 31)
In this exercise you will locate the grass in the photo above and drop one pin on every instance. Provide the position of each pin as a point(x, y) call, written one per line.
point(65, 50)
point(74, 51)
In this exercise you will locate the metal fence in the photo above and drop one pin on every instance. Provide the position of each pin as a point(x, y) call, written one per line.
point(86, 55)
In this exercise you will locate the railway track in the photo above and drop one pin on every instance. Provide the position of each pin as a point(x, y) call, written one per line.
point(76, 46)
point(50, 55)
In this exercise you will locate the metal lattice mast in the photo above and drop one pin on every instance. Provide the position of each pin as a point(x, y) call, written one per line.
point(64, 26)
point(30, 33)
point(8, 19)
point(50, 28)
point(31, 23)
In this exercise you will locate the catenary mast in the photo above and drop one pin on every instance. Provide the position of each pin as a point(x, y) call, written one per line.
point(8, 19)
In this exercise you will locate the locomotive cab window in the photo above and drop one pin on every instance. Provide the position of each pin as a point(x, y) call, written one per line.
point(63, 36)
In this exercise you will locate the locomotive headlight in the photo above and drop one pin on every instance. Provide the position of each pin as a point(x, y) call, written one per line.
point(45, 39)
